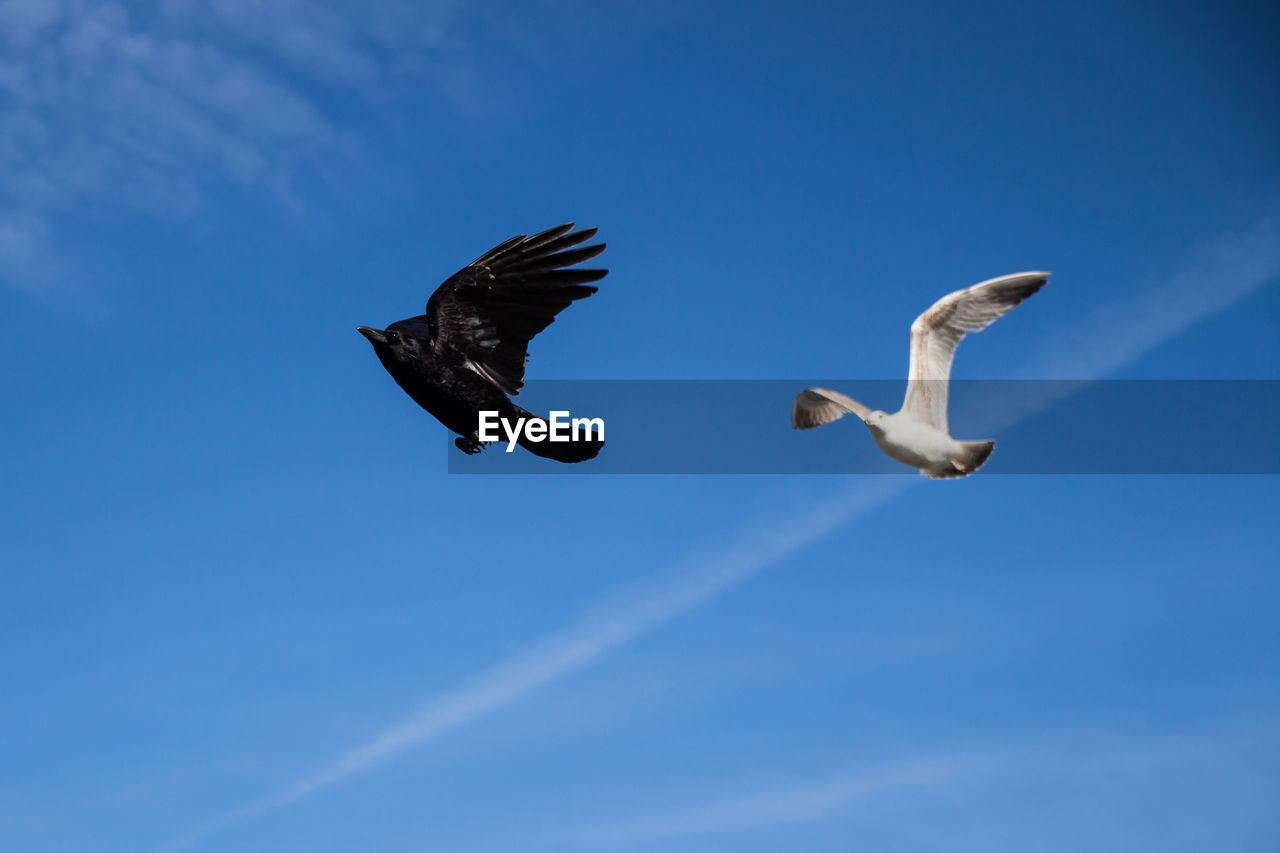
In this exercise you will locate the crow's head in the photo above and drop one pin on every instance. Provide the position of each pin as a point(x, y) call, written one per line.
point(397, 342)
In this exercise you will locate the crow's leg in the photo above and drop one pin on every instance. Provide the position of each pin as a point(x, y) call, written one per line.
point(469, 445)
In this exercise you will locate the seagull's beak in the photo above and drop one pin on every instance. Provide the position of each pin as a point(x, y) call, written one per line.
point(374, 335)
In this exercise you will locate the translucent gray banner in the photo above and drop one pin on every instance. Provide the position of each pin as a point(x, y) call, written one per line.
point(1040, 427)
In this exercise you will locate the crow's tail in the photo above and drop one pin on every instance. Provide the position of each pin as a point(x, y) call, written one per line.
point(578, 450)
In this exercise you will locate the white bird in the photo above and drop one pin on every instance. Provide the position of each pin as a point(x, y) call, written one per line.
point(917, 434)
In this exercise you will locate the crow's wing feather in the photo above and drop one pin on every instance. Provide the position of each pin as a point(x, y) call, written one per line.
point(489, 310)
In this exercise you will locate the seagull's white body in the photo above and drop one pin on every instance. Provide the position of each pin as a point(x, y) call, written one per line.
point(917, 434)
point(912, 443)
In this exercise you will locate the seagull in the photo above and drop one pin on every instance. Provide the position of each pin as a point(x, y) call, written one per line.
point(917, 434)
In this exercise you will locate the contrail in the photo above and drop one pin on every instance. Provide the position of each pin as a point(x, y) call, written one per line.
point(1120, 331)
point(1012, 761)
point(1127, 329)
point(582, 644)
point(807, 803)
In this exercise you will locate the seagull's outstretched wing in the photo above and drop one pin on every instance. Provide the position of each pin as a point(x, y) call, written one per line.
point(936, 333)
point(490, 310)
point(814, 407)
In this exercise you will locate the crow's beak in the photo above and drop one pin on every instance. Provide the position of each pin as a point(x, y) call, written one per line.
point(374, 335)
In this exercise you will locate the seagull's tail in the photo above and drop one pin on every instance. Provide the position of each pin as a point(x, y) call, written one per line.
point(975, 453)
point(972, 455)
point(578, 450)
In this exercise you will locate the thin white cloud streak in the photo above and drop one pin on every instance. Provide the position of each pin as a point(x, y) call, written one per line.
point(1241, 266)
point(583, 644)
point(778, 807)
point(812, 801)
point(1121, 331)
point(599, 634)
point(1124, 330)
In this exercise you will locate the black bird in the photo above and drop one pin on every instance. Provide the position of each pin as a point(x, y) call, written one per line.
point(468, 352)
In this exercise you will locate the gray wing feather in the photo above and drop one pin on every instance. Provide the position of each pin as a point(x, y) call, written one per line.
point(814, 407)
point(937, 332)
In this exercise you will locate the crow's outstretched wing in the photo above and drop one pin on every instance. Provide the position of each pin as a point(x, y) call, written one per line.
point(490, 310)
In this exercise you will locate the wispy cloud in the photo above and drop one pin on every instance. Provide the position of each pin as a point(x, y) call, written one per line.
point(701, 578)
point(806, 803)
point(109, 107)
point(1123, 330)
point(750, 551)
point(1120, 331)
point(1012, 762)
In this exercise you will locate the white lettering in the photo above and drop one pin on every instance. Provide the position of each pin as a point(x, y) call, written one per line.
point(586, 425)
point(482, 432)
point(559, 427)
point(512, 434)
point(559, 424)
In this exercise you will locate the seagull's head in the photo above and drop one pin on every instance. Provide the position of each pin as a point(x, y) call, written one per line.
point(875, 420)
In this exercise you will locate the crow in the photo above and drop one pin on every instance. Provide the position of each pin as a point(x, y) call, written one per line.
point(468, 352)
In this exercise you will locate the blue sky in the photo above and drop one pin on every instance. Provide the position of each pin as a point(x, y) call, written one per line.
point(246, 607)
